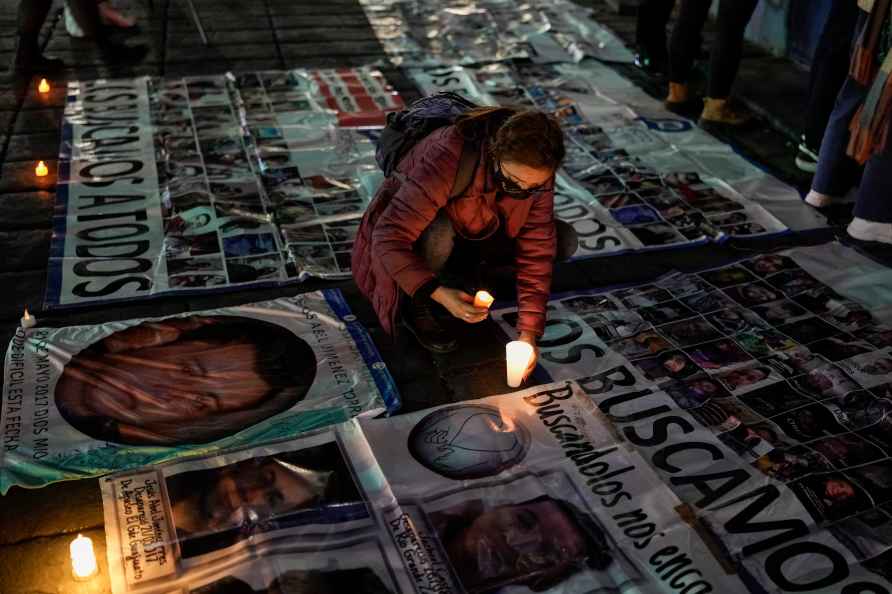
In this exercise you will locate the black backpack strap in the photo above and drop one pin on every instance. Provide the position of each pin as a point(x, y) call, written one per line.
point(467, 167)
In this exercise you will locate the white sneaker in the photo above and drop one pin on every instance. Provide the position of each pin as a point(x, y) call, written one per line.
point(819, 200)
point(74, 30)
point(870, 231)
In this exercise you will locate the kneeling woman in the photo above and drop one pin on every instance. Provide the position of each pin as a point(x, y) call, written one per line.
point(413, 225)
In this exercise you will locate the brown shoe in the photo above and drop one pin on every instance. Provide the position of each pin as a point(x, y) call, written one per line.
point(679, 100)
point(717, 112)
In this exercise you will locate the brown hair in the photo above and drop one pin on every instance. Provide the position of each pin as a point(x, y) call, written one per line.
point(524, 136)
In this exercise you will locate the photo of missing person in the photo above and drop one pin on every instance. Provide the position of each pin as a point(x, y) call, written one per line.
point(704, 303)
point(688, 332)
point(538, 543)
point(611, 325)
point(809, 422)
point(589, 304)
point(195, 280)
point(657, 234)
point(851, 316)
point(663, 313)
point(728, 276)
point(718, 354)
point(878, 336)
point(642, 344)
point(748, 441)
point(779, 312)
point(747, 377)
point(725, 414)
point(870, 369)
point(760, 343)
point(831, 496)
point(876, 478)
point(861, 409)
point(190, 265)
point(770, 264)
point(695, 391)
point(214, 508)
point(736, 319)
point(188, 246)
point(809, 330)
point(789, 464)
point(774, 399)
point(295, 581)
point(842, 346)
point(684, 285)
point(262, 268)
point(793, 362)
point(792, 282)
point(184, 380)
point(669, 364)
point(646, 296)
point(757, 293)
point(820, 300)
point(847, 450)
point(249, 245)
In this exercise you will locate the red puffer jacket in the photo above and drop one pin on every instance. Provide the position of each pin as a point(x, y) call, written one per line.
point(383, 259)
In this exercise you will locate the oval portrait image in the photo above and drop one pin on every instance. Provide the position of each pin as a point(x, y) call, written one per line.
point(184, 380)
point(468, 441)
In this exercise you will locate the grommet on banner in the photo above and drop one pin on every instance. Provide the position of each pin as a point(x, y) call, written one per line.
point(41, 170)
point(28, 321)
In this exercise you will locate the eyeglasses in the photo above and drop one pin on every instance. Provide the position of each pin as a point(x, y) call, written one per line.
point(513, 189)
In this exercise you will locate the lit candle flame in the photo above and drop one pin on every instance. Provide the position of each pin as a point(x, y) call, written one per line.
point(41, 170)
point(83, 559)
point(43, 87)
point(483, 299)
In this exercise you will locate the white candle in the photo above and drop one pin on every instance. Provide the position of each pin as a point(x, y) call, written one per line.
point(483, 299)
point(28, 321)
point(83, 559)
point(517, 358)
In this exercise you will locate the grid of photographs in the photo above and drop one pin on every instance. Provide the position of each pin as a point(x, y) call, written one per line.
point(789, 374)
point(217, 221)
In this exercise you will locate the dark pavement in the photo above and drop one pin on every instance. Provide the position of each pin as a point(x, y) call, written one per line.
point(36, 526)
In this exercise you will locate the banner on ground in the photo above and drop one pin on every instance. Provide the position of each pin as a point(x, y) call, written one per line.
point(635, 177)
point(526, 492)
point(202, 183)
point(421, 33)
point(761, 392)
point(88, 400)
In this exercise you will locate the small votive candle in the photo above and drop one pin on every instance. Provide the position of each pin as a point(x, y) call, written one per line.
point(517, 358)
point(83, 559)
point(44, 87)
point(483, 299)
point(41, 170)
point(28, 321)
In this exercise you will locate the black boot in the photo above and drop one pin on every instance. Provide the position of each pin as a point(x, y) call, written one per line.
point(418, 316)
point(28, 60)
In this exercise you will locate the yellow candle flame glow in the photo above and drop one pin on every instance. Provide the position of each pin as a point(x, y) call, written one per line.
point(83, 559)
point(41, 170)
point(483, 299)
point(43, 87)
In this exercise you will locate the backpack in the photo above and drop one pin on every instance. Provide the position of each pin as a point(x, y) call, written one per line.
point(405, 129)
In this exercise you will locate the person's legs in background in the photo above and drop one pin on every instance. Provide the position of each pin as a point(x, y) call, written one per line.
point(724, 62)
point(873, 208)
point(836, 172)
point(28, 57)
point(650, 34)
point(683, 47)
point(830, 67)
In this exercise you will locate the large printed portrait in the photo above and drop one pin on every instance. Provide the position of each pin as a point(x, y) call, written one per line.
point(214, 508)
point(184, 380)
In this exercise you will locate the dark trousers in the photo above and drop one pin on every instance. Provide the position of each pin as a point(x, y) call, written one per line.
point(724, 56)
point(650, 27)
point(439, 241)
point(837, 172)
point(830, 68)
point(33, 13)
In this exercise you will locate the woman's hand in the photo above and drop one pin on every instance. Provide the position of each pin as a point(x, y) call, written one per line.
point(459, 304)
point(530, 339)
